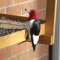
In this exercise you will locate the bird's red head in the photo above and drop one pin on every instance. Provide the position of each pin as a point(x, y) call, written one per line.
point(33, 14)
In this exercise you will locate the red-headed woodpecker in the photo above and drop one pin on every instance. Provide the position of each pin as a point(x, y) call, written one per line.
point(34, 25)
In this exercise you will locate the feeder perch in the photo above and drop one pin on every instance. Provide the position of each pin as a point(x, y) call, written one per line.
point(17, 32)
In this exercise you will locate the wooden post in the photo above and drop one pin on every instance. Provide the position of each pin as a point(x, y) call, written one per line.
point(51, 22)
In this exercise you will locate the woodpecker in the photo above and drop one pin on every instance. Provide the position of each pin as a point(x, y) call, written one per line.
point(34, 25)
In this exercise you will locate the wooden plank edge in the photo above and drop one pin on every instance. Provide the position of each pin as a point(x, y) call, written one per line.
point(12, 39)
point(46, 39)
point(21, 18)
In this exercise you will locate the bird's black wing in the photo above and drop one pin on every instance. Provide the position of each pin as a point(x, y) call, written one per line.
point(35, 29)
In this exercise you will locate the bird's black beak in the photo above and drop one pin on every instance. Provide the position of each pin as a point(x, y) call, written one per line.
point(27, 10)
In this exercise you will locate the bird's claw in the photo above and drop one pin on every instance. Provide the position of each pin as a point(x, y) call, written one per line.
point(27, 34)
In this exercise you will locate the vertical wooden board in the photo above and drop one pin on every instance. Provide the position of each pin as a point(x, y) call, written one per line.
point(42, 30)
point(54, 28)
point(12, 39)
point(50, 16)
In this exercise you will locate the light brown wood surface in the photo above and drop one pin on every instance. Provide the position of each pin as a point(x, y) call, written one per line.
point(50, 24)
point(45, 39)
point(12, 39)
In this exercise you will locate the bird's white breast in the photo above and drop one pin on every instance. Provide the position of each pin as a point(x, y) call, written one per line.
point(28, 24)
point(31, 22)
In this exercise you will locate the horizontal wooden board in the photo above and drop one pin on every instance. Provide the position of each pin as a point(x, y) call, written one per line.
point(12, 39)
point(20, 18)
point(46, 39)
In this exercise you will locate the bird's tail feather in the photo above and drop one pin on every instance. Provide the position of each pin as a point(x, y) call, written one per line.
point(34, 47)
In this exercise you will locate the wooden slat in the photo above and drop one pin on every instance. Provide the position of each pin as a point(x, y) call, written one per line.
point(55, 20)
point(46, 39)
point(51, 18)
point(12, 39)
point(21, 18)
point(42, 31)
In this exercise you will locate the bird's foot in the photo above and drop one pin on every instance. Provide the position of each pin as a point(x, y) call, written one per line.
point(27, 34)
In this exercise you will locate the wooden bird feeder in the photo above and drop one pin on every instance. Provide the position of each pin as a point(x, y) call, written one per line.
point(47, 33)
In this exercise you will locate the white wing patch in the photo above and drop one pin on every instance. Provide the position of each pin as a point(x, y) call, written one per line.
point(35, 39)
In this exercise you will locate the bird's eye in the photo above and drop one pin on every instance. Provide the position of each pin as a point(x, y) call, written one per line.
point(33, 12)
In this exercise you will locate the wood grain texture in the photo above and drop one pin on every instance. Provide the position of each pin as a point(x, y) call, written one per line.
point(51, 18)
point(45, 39)
point(12, 39)
point(54, 29)
point(42, 31)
